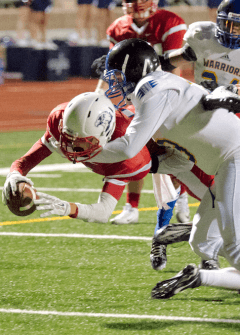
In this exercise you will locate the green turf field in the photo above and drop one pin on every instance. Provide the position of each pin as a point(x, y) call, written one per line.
point(55, 282)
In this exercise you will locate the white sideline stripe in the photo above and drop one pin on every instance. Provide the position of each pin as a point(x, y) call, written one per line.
point(65, 189)
point(123, 316)
point(116, 237)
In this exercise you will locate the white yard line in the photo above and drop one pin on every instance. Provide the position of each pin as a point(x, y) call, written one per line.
point(119, 316)
point(65, 189)
point(51, 167)
point(115, 237)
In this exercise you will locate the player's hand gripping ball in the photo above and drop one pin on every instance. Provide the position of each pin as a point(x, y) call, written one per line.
point(22, 204)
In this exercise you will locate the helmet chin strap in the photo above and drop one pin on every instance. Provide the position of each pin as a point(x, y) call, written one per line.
point(128, 99)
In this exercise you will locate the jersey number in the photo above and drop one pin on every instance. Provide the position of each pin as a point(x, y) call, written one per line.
point(210, 75)
point(167, 143)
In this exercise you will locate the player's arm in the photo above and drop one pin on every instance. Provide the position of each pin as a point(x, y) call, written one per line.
point(98, 212)
point(98, 66)
point(20, 168)
point(32, 158)
point(147, 120)
point(177, 58)
point(223, 97)
point(172, 44)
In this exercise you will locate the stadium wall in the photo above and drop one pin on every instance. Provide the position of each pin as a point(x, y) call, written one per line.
point(63, 15)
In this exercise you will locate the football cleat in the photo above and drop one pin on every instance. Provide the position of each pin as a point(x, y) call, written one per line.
point(189, 277)
point(158, 255)
point(181, 208)
point(128, 215)
point(211, 264)
point(173, 233)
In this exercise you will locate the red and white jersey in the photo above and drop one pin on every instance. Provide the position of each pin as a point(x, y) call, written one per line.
point(117, 175)
point(163, 27)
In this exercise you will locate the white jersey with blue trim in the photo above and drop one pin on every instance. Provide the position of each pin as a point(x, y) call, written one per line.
point(168, 108)
point(214, 61)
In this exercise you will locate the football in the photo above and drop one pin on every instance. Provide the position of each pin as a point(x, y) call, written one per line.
point(22, 203)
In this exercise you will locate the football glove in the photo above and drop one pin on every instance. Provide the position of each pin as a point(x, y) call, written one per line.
point(210, 85)
point(172, 162)
point(222, 97)
point(11, 184)
point(98, 66)
point(186, 52)
point(52, 205)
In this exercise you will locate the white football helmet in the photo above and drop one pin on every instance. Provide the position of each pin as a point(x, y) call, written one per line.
point(88, 124)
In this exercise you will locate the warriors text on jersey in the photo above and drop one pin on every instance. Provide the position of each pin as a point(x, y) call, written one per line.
point(163, 27)
point(214, 61)
point(116, 175)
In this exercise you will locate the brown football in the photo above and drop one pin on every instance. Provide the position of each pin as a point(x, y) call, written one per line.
point(22, 203)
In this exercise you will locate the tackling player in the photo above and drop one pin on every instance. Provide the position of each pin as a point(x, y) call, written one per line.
point(169, 107)
point(164, 30)
point(216, 47)
point(77, 131)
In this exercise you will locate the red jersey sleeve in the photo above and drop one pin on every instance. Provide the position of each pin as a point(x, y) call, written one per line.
point(53, 122)
point(40, 150)
point(33, 157)
point(173, 32)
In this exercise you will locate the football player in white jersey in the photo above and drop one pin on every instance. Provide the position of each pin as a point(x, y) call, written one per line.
point(159, 27)
point(216, 46)
point(169, 107)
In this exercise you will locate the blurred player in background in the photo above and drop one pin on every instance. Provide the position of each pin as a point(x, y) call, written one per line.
point(23, 23)
point(77, 131)
point(164, 30)
point(38, 24)
point(85, 33)
point(93, 18)
point(103, 17)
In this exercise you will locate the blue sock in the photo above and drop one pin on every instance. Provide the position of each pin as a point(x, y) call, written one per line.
point(164, 216)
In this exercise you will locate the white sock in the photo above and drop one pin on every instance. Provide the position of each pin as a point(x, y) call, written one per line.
point(228, 278)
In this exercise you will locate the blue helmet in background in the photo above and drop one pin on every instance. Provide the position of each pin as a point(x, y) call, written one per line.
point(228, 24)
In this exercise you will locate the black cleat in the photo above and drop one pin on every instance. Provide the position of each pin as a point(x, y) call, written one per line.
point(189, 277)
point(158, 256)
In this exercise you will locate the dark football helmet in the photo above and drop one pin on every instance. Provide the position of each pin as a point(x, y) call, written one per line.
point(126, 63)
point(228, 24)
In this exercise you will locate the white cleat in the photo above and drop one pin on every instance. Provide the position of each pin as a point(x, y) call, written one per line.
point(128, 215)
point(181, 208)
